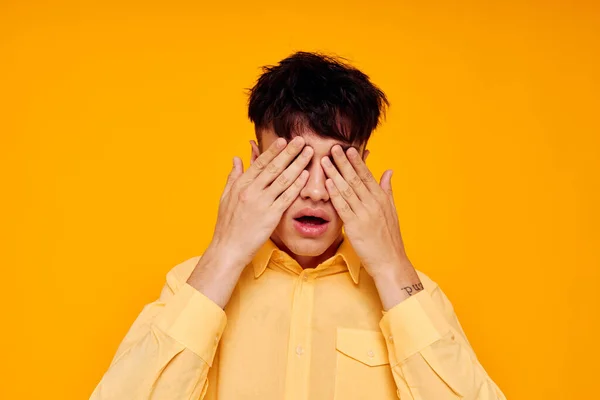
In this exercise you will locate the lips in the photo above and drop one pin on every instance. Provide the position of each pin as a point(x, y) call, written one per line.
point(311, 223)
point(310, 215)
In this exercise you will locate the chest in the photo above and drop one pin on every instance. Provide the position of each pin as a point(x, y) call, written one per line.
point(295, 337)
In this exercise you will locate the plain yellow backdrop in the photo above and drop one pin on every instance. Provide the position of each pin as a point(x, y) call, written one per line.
point(119, 121)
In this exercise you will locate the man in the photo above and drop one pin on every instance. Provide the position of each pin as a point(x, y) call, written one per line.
point(283, 304)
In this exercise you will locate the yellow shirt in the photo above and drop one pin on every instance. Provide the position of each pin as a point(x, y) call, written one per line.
point(293, 334)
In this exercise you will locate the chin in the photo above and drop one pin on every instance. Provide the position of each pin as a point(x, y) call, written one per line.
point(308, 246)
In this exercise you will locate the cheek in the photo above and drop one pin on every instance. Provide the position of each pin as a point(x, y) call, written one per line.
point(336, 218)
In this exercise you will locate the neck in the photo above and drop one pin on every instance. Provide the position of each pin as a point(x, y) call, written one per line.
point(309, 261)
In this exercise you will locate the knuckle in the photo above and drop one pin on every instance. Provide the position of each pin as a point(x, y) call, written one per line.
point(291, 150)
point(345, 207)
point(348, 192)
point(367, 177)
point(285, 196)
point(354, 181)
point(283, 180)
point(274, 151)
point(259, 163)
point(272, 168)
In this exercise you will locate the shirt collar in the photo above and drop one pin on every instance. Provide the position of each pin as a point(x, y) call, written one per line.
point(345, 251)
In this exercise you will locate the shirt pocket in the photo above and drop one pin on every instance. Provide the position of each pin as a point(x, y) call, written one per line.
point(362, 366)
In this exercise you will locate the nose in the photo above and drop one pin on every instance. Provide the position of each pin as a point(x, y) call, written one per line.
point(315, 186)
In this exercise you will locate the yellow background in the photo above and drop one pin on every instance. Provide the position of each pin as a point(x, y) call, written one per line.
point(118, 123)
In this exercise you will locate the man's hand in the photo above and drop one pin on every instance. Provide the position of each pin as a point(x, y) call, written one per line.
point(250, 209)
point(371, 224)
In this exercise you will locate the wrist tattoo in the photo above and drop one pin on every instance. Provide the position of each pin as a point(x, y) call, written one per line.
point(414, 288)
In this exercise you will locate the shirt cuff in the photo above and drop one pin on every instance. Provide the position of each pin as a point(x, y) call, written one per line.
point(412, 325)
point(193, 320)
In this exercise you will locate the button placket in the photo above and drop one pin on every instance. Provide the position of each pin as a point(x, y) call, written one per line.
point(299, 346)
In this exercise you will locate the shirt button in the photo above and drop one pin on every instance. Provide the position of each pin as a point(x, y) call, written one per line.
point(305, 278)
point(371, 354)
point(299, 350)
point(391, 339)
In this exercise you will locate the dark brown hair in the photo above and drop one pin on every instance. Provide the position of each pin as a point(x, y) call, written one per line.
point(320, 92)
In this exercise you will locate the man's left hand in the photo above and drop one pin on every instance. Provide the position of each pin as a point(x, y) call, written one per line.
point(370, 219)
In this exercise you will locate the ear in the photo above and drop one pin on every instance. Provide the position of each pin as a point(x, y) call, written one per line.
point(365, 155)
point(255, 152)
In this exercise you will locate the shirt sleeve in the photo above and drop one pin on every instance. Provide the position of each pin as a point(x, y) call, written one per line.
point(430, 356)
point(169, 348)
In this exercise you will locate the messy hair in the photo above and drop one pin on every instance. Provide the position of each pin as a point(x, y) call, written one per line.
point(319, 92)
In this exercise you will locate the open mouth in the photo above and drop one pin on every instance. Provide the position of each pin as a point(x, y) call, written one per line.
point(309, 220)
point(310, 226)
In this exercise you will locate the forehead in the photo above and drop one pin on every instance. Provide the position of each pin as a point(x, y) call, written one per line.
point(318, 143)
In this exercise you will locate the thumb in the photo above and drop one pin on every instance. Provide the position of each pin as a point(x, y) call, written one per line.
point(386, 183)
point(237, 169)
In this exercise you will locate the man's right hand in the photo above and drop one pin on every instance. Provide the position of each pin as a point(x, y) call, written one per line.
point(250, 209)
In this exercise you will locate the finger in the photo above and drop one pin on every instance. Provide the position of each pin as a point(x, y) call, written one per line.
point(386, 183)
point(239, 166)
point(287, 177)
point(386, 186)
point(349, 174)
point(257, 167)
point(291, 193)
point(279, 163)
point(392, 214)
point(342, 186)
point(363, 171)
point(236, 170)
point(341, 206)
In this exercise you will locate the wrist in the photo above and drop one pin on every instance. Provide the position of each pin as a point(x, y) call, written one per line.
point(394, 271)
point(223, 256)
point(396, 283)
point(216, 275)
